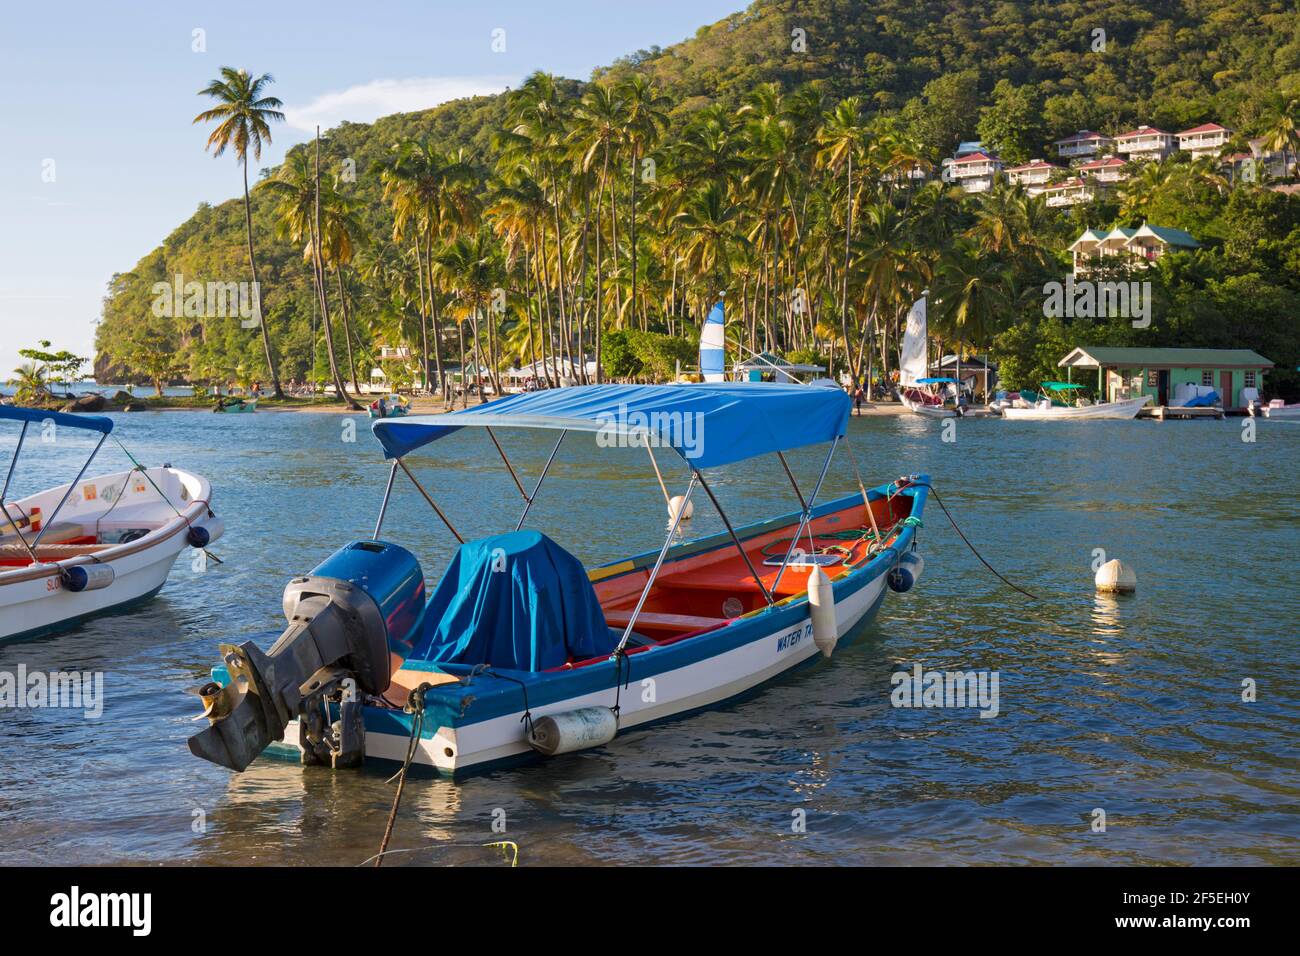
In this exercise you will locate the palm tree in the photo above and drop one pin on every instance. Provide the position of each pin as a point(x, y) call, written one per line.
point(242, 117)
point(294, 187)
point(474, 268)
point(645, 114)
point(31, 385)
point(1281, 135)
point(842, 135)
point(597, 135)
point(709, 222)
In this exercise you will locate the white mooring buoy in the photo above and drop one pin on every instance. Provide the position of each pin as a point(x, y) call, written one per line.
point(1116, 576)
point(675, 504)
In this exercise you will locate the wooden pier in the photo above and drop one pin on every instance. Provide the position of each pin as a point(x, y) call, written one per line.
point(1162, 412)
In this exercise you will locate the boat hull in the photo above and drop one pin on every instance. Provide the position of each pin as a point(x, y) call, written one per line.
point(477, 723)
point(927, 411)
point(1285, 411)
point(1108, 410)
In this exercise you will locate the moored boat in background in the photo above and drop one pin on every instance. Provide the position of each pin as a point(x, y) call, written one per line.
point(1047, 409)
point(95, 544)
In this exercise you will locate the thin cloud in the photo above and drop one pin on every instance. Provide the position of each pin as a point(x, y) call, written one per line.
point(369, 101)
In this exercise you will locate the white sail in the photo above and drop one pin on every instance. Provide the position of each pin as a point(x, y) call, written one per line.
point(912, 357)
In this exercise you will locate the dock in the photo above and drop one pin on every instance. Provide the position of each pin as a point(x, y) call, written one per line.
point(1162, 412)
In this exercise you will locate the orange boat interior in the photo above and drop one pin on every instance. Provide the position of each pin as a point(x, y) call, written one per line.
point(699, 592)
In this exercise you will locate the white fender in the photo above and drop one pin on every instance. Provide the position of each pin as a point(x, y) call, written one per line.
point(821, 605)
point(573, 730)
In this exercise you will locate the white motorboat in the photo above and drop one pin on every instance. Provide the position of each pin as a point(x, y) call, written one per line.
point(1279, 409)
point(95, 544)
point(1045, 410)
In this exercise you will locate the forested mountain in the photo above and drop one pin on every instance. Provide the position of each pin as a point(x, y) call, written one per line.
point(767, 157)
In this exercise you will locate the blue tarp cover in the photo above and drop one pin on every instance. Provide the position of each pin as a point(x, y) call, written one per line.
point(1202, 401)
point(714, 423)
point(516, 601)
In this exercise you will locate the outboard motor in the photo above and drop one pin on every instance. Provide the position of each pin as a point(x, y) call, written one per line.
point(363, 602)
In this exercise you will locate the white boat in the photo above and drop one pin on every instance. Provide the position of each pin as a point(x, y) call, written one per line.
point(1044, 411)
point(1279, 409)
point(95, 544)
point(916, 400)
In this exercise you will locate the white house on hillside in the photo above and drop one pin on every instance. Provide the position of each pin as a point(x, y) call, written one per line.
point(1208, 139)
point(1083, 144)
point(974, 172)
point(1145, 142)
point(1109, 169)
point(1033, 175)
point(1071, 192)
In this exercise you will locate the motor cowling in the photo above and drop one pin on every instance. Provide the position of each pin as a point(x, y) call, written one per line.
point(343, 619)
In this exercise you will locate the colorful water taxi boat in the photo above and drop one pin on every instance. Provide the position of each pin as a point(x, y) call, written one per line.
point(520, 651)
point(96, 544)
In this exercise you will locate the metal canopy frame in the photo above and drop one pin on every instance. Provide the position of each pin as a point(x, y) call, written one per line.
point(697, 478)
point(4, 506)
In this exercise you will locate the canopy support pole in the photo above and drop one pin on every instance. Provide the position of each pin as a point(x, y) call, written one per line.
point(654, 573)
point(67, 494)
point(509, 467)
point(812, 546)
point(432, 504)
point(383, 508)
point(734, 537)
point(540, 478)
point(13, 462)
point(9, 519)
point(654, 464)
point(807, 515)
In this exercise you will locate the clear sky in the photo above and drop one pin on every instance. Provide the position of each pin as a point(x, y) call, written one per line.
point(98, 157)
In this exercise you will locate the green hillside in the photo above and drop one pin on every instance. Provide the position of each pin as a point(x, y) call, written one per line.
point(763, 146)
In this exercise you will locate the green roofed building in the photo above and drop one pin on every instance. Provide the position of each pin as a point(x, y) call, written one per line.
point(1129, 373)
point(1139, 247)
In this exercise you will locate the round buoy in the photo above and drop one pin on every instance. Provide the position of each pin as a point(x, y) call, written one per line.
point(675, 504)
point(1116, 576)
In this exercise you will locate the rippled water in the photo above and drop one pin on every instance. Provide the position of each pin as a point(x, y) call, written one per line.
point(1130, 705)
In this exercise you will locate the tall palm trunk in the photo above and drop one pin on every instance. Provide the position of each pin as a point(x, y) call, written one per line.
point(277, 391)
point(435, 320)
point(347, 327)
point(424, 318)
point(318, 267)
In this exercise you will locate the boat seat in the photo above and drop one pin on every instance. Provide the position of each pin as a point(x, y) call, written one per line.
point(53, 552)
point(656, 620)
point(58, 533)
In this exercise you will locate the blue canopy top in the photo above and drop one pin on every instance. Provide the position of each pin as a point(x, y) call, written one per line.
point(935, 381)
point(710, 424)
point(94, 423)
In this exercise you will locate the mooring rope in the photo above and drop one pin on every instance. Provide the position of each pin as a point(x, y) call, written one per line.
point(145, 471)
point(952, 521)
point(416, 703)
